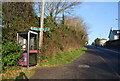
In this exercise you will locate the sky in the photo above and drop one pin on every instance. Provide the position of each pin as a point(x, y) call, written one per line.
point(99, 17)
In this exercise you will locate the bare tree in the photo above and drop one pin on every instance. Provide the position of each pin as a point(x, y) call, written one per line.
point(53, 9)
point(78, 25)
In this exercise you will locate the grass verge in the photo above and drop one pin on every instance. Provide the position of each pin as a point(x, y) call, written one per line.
point(64, 58)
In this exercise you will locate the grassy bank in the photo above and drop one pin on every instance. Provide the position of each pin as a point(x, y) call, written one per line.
point(64, 58)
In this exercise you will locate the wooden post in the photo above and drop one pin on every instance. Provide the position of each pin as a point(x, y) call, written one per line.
point(41, 26)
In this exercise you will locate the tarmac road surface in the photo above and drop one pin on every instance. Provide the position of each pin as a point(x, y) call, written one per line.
point(96, 63)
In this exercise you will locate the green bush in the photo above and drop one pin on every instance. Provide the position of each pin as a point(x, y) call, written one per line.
point(49, 33)
point(11, 53)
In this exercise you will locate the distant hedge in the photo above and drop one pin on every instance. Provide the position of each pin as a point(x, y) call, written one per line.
point(113, 44)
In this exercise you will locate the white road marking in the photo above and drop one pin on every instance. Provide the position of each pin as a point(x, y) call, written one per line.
point(106, 61)
point(84, 66)
point(107, 49)
point(109, 66)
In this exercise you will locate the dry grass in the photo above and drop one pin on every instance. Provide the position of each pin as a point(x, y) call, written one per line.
point(13, 74)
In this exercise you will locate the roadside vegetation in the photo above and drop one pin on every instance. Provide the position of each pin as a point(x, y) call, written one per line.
point(113, 44)
point(61, 45)
point(63, 58)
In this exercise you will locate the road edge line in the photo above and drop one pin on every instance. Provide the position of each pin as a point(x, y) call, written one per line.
point(109, 66)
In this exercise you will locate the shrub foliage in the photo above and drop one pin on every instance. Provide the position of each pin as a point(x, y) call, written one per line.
point(11, 53)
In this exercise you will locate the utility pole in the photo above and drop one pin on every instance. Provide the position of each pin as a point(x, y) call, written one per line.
point(41, 26)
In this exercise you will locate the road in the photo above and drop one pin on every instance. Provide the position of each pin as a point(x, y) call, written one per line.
point(96, 63)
